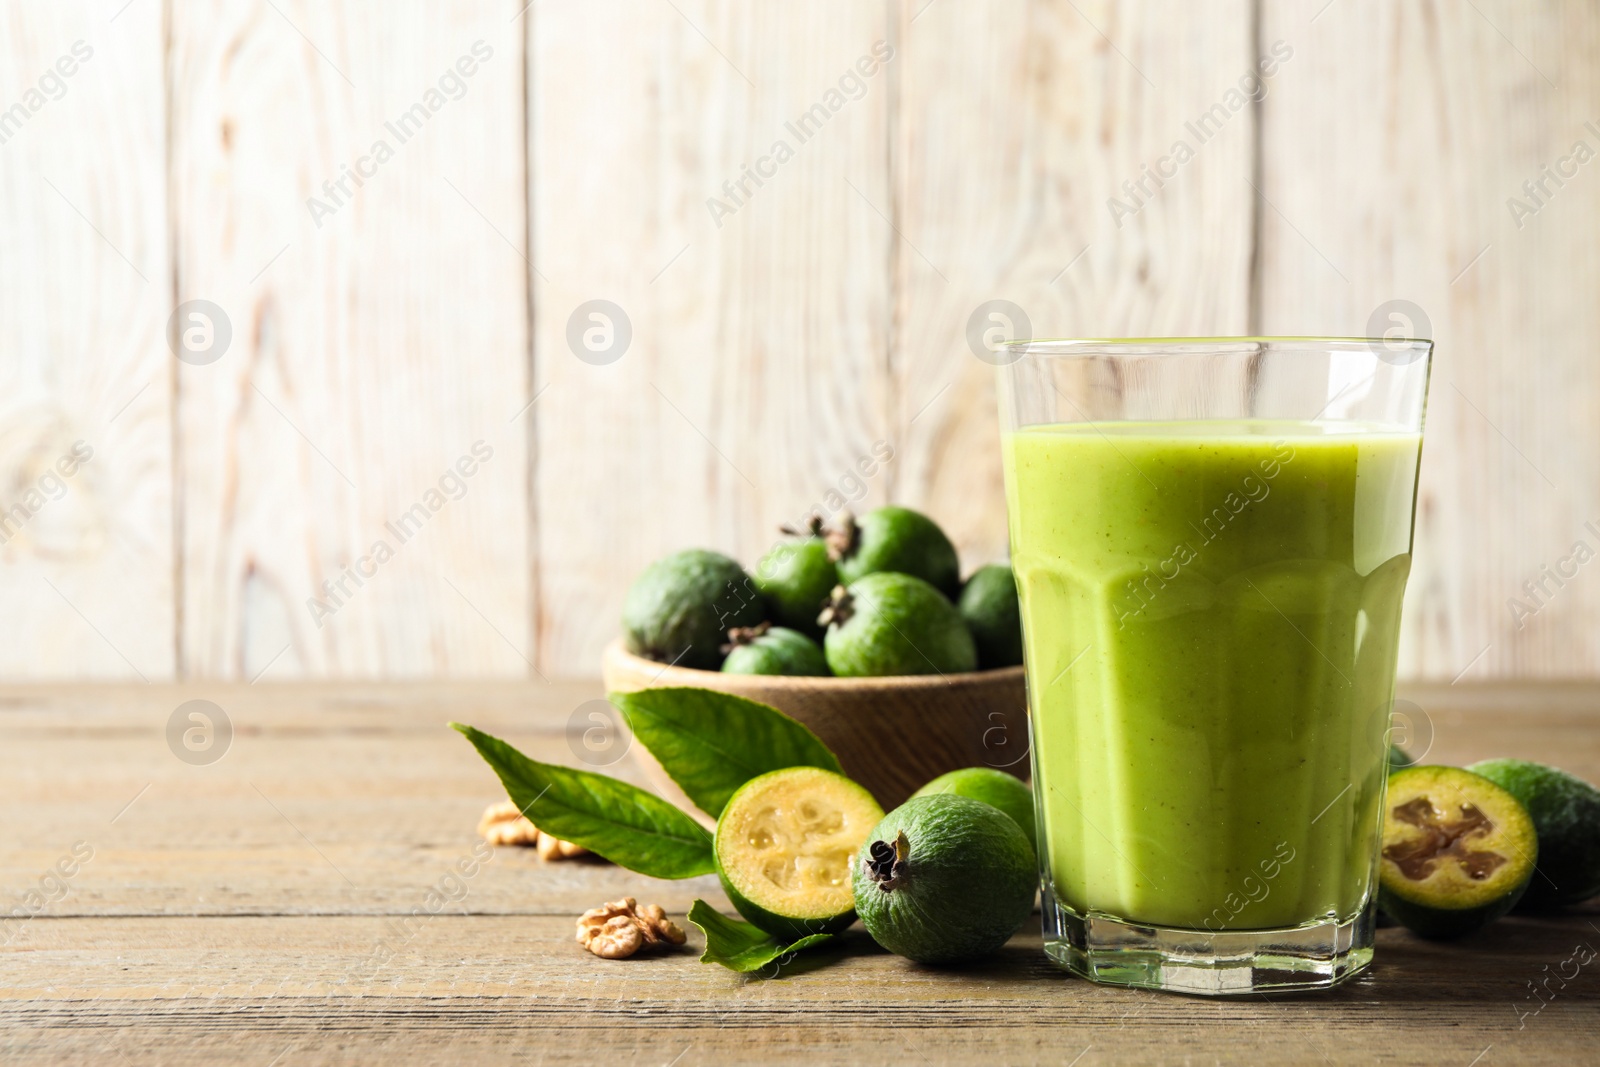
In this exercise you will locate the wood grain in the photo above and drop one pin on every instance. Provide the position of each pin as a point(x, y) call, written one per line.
point(786, 335)
point(85, 559)
point(208, 927)
point(1393, 146)
point(378, 335)
point(755, 384)
point(1017, 127)
point(502, 989)
point(351, 799)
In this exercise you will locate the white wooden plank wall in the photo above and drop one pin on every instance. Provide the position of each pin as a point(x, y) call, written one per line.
point(87, 562)
point(1393, 149)
point(793, 213)
point(379, 336)
point(756, 377)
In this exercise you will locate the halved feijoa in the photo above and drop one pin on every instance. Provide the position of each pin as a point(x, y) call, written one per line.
point(783, 849)
point(1458, 851)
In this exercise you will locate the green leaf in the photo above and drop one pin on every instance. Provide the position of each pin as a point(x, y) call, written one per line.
point(741, 947)
point(712, 743)
point(615, 820)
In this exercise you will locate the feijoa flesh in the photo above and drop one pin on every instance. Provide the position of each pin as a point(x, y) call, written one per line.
point(1457, 851)
point(783, 847)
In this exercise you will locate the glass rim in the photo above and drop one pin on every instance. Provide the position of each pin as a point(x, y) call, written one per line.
point(1197, 343)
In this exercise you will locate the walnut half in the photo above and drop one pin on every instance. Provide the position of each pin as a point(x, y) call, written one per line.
point(620, 928)
point(504, 824)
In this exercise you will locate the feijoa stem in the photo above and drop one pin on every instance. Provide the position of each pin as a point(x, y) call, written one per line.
point(838, 608)
point(744, 635)
point(887, 867)
point(813, 528)
point(842, 538)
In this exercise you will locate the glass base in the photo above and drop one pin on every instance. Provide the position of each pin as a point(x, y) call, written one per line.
point(1112, 951)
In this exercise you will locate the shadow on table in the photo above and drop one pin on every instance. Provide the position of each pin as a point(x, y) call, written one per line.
point(1021, 960)
point(1501, 962)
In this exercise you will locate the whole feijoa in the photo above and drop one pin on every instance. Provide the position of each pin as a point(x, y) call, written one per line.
point(680, 609)
point(898, 540)
point(768, 649)
point(944, 879)
point(1566, 817)
point(888, 624)
point(796, 577)
point(994, 787)
point(989, 605)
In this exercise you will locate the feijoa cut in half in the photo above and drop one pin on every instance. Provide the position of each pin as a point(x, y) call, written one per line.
point(783, 847)
point(1457, 851)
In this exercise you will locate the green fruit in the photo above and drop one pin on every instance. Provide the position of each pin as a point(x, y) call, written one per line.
point(1457, 851)
point(996, 788)
point(1398, 760)
point(902, 541)
point(678, 610)
point(1566, 816)
point(888, 624)
point(944, 879)
point(989, 606)
point(783, 848)
point(769, 649)
point(796, 578)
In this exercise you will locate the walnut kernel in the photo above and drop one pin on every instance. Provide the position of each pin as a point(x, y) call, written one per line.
point(504, 824)
point(620, 928)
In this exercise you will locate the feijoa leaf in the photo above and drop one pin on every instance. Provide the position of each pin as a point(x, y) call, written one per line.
point(614, 820)
point(741, 947)
point(712, 743)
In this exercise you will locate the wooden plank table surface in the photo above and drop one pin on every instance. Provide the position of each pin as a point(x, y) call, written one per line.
point(293, 902)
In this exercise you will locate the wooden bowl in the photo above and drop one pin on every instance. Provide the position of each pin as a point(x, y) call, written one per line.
point(891, 734)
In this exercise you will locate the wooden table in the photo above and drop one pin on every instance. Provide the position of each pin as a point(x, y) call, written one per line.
point(273, 907)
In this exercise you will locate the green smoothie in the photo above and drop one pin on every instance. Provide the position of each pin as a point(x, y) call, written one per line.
point(1211, 613)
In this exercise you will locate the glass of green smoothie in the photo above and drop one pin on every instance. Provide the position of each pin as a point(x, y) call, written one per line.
point(1211, 538)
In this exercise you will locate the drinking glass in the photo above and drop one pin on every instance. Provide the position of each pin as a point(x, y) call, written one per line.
point(1211, 539)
